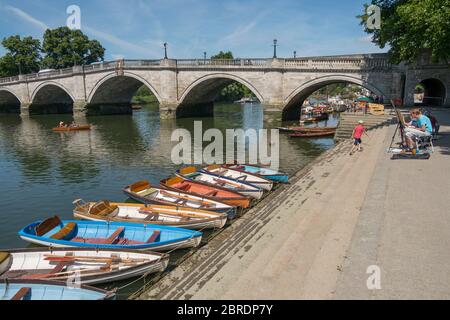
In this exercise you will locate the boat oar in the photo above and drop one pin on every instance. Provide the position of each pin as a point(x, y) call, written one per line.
point(91, 259)
point(186, 198)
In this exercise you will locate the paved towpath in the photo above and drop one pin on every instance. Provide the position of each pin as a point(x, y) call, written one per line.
point(316, 237)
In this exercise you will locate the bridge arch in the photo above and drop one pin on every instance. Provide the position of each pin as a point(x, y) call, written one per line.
point(295, 99)
point(117, 90)
point(9, 101)
point(199, 96)
point(51, 97)
point(434, 92)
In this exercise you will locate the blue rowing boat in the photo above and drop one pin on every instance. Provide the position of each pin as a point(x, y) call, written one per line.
point(108, 235)
point(266, 173)
point(49, 290)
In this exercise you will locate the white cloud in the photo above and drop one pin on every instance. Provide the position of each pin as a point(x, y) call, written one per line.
point(25, 16)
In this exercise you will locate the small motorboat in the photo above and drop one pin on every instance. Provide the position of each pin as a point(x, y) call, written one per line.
point(50, 290)
point(175, 216)
point(239, 176)
point(205, 190)
point(244, 188)
point(90, 266)
point(74, 128)
point(266, 173)
point(312, 134)
point(143, 191)
point(108, 235)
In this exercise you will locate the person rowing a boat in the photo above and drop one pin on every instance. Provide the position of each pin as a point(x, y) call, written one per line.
point(62, 124)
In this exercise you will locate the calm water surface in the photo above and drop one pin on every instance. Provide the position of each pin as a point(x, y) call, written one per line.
point(42, 172)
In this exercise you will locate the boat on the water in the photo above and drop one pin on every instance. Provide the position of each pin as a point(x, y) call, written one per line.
point(175, 216)
point(239, 176)
point(244, 188)
point(143, 191)
point(75, 128)
point(312, 134)
point(306, 129)
point(50, 290)
point(53, 232)
point(266, 173)
point(90, 266)
point(230, 197)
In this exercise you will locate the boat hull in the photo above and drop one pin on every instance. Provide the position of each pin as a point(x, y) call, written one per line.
point(239, 176)
point(79, 128)
point(270, 174)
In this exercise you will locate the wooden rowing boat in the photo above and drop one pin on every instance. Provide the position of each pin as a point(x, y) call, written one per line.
point(108, 235)
point(306, 129)
point(266, 173)
point(224, 195)
point(239, 176)
point(312, 134)
point(91, 266)
point(76, 128)
point(144, 192)
point(246, 189)
point(50, 290)
point(176, 216)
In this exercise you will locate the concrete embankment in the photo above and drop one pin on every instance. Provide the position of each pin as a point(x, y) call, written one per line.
point(316, 237)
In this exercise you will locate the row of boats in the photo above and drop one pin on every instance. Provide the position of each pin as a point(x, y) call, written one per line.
point(116, 241)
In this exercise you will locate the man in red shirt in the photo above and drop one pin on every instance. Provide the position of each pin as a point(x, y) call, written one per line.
point(357, 135)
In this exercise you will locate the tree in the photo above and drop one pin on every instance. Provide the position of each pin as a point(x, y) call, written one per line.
point(23, 55)
point(411, 27)
point(64, 48)
point(223, 55)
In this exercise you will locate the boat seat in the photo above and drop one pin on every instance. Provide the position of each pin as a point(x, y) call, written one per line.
point(152, 217)
point(147, 192)
point(184, 187)
point(5, 261)
point(117, 234)
point(68, 232)
point(47, 225)
point(140, 186)
point(154, 237)
point(23, 294)
point(211, 193)
point(103, 208)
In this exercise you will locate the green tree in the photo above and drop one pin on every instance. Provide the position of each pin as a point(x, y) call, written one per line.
point(411, 27)
point(64, 48)
point(223, 55)
point(22, 55)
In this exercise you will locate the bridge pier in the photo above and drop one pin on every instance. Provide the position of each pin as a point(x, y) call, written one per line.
point(168, 111)
point(25, 109)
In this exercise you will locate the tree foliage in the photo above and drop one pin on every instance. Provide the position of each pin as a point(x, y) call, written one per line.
point(64, 48)
point(411, 27)
point(22, 55)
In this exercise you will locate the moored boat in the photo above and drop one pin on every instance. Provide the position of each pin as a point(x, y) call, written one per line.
point(266, 173)
point(205, 190)
point(49, 290)
point(143, 191)
point(90, 266)
point(306, 129)
point(53, 232)
point(239, 176)
point(246, 189)
point(175, 216)
point(312, 134)
point(76, 128)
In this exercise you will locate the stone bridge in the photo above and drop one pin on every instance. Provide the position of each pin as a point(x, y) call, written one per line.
point(188, 87)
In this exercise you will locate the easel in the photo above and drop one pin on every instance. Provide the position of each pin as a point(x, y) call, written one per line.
point(401, 125)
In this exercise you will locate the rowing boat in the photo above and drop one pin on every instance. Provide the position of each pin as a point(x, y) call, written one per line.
point(204, 190)
point(312, 134)
point(246, 189)
point(76, 128)
point(306, 129)
point(49, 290)
point(143, 191)
point(53, 232)
point(90, 266)
point(266, 173)
point(176, 216)
point(239, 176)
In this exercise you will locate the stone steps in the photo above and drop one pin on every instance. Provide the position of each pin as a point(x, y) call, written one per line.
point(348, 121)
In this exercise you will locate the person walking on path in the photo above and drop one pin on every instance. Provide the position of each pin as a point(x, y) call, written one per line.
point(357, 136)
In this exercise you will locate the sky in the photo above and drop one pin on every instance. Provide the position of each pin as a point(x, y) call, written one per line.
point(137, 29)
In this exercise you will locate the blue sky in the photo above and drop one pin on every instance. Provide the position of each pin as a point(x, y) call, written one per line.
point(137, 28)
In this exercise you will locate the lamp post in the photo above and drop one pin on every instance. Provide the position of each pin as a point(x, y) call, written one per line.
point(165, 50)
point(275, 48)
point(20, 68)
point(204, 57)
point(295, 54)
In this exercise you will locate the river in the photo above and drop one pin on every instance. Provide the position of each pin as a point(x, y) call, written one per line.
point(42, 172)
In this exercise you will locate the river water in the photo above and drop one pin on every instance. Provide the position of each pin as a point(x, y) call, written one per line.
point(42, 172)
